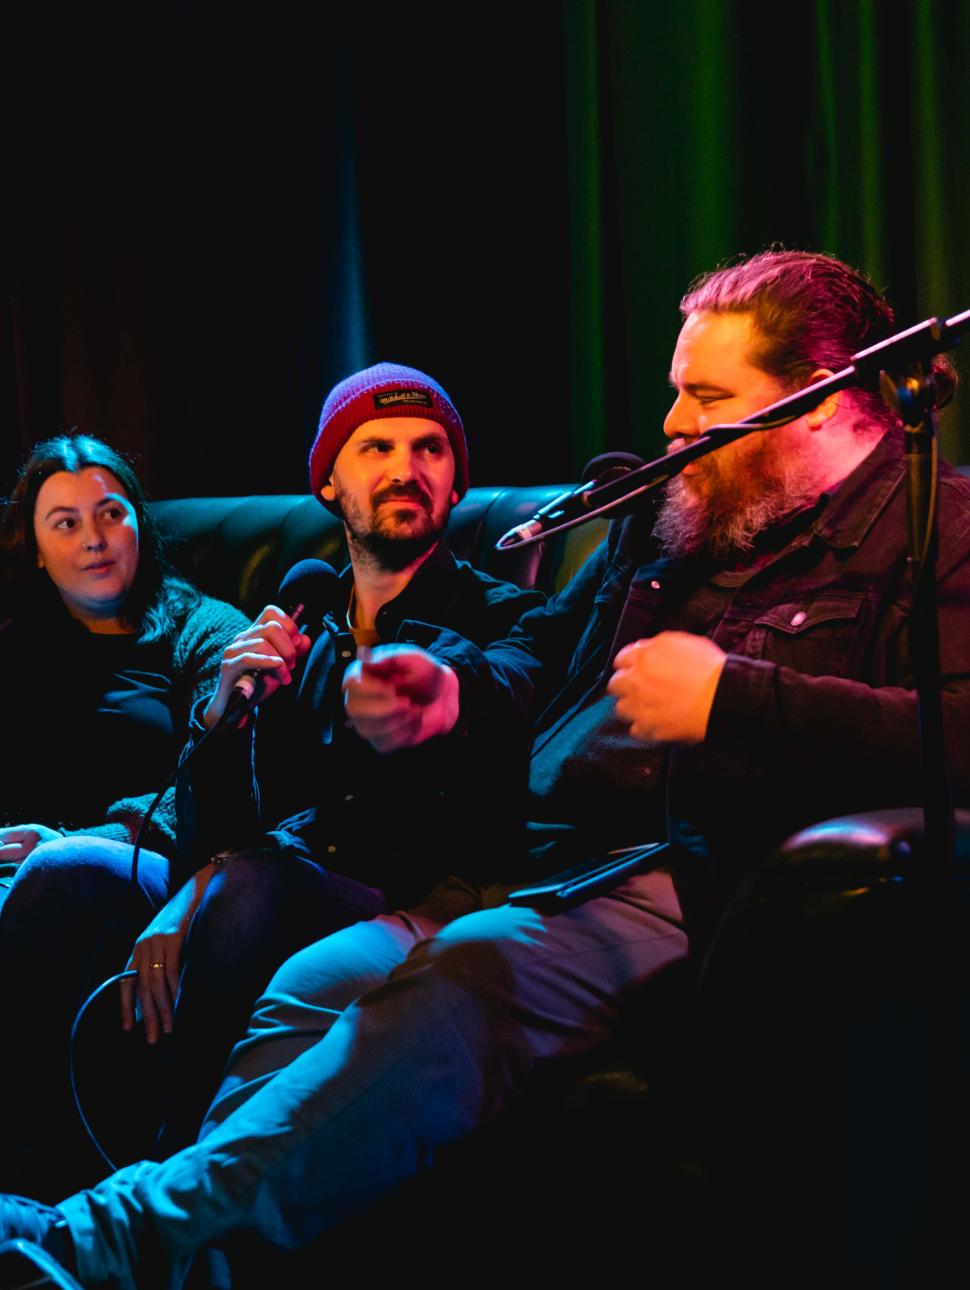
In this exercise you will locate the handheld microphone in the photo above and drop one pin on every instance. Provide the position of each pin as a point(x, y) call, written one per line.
point(310, 588)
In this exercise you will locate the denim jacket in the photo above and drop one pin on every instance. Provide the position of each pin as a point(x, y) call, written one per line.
point(813, 715)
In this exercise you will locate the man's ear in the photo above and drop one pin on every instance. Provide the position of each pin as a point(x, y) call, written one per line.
point(454, 497)
point(827, 409)
point(328, 492)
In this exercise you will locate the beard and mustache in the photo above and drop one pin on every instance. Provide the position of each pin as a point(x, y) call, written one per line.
point(734, 495)
point(388, 538)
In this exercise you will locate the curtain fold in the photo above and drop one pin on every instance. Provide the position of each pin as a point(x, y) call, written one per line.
point(216, 216)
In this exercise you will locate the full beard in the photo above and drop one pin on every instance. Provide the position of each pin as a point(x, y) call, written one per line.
point(722, 509)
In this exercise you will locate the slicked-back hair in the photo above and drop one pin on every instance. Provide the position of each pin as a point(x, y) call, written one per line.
point(810, 311)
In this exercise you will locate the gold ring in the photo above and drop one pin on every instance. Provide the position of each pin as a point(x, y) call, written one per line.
point(156, 965)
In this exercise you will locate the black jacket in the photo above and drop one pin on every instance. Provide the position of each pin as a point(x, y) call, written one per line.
point(300, 776)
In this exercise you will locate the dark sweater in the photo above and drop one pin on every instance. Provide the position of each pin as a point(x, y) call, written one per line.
point(95, 723)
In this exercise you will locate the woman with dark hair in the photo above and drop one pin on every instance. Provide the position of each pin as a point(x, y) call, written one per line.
point(105, 653)
point(109, 647)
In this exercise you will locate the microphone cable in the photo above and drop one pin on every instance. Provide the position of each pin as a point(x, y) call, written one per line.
point(146, 818)
point(72, 1063)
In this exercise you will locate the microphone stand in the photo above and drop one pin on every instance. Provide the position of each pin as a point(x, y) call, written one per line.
point(938, 905)
point(591, 501)
point(912, 395)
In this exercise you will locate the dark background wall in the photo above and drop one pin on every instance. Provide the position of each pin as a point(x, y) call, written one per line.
point(216, 212)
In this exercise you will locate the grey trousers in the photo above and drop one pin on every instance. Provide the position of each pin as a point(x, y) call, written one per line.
point(369, 1050)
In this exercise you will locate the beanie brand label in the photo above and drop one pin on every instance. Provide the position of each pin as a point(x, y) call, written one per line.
point(391, 397)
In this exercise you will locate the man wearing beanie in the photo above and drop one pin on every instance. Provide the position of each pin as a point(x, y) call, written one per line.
point(316, 830)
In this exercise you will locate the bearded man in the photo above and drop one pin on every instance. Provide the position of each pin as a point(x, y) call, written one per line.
point(313, 829)
point(714, 678)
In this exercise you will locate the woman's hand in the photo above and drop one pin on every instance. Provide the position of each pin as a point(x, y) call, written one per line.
point(17, 841)
point(272, 645)
point(157, 958)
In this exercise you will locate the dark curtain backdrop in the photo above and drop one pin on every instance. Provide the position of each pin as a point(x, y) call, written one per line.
point(216, 212)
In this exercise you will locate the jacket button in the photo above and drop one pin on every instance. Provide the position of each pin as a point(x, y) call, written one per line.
point(655, 583)
point(799, 618)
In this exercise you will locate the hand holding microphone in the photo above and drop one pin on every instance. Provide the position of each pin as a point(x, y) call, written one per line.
point(255, 664)
point(263, 656)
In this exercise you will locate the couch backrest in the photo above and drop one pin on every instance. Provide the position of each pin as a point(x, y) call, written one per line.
point(239, 548)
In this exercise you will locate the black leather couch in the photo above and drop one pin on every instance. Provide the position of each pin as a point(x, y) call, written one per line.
point(788, 1131)
point(239, 548)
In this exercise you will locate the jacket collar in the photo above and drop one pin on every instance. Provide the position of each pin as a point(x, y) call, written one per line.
point(855, 504)
point(429, 586)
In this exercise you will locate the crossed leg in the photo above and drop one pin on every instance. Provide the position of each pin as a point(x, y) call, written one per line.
point(308, 1130)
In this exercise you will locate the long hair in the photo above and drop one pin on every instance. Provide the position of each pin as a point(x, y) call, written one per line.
point(811, 311)
point(156, 598)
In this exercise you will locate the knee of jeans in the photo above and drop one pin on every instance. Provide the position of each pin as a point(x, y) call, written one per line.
point(479, 947)
point(303, 975)
point(73, 873)
point(241, 896)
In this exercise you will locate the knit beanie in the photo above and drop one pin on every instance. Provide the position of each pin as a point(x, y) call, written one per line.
point(384, 390)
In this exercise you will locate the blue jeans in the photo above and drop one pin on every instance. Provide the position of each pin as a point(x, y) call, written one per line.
point(368, 1051)
point(259, 908)
point(69, 922)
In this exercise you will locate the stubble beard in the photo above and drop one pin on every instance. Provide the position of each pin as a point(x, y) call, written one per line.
point(721, 510)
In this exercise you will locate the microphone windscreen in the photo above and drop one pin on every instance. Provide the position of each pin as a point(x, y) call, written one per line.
point(610, 465)
point(313, 584)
